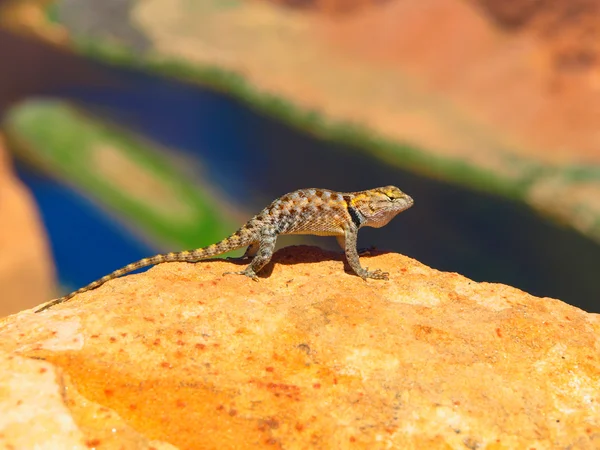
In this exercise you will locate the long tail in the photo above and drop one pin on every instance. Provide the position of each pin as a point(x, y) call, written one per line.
point(239, 239)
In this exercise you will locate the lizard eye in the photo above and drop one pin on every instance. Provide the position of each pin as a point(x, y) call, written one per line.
point(392, 193)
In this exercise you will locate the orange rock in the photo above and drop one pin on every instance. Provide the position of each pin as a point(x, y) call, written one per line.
point(26, 268)
point(39, 406)
point(313, 357)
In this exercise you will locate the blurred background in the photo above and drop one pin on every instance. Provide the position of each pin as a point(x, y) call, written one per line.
point(130, 127)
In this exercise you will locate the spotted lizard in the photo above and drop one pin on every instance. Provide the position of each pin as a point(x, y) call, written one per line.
point(320, 212)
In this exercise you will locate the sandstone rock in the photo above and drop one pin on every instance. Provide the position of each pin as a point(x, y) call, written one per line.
point(570, 28)
point(312, 357)
point(26, 268)
point(329, 6)
point(40, 409)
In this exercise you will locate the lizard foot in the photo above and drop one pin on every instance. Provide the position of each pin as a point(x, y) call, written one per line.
point(248, 272)
point(376, 275)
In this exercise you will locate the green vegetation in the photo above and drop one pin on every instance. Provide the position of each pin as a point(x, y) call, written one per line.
point(125, 174)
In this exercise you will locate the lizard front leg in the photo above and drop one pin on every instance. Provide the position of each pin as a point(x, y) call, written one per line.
point(349, 241)
point(341, 240)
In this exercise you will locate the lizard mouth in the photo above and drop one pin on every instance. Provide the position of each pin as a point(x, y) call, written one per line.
point(383, 216)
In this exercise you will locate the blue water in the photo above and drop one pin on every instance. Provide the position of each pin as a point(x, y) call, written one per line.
point(197, 122)
point(253, 159)
point(85, 241)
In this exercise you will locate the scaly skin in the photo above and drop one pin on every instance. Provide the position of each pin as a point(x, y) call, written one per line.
point(318, 212)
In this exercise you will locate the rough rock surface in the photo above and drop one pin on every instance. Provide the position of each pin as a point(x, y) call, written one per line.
point(26, 268)
point(40, 409)
point(308, 357)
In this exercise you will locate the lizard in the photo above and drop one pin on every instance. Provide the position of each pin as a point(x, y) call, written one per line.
point(320, 212)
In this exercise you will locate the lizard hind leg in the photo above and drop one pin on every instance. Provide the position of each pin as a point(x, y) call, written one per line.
point(262, 251)
point(250, 252)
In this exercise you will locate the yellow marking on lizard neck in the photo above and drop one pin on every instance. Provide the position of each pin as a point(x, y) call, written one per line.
point(359, 198)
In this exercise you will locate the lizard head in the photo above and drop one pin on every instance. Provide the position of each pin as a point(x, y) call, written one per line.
point(380, 205)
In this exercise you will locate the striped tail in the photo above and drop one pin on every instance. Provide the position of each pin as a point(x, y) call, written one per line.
point(231, 243)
